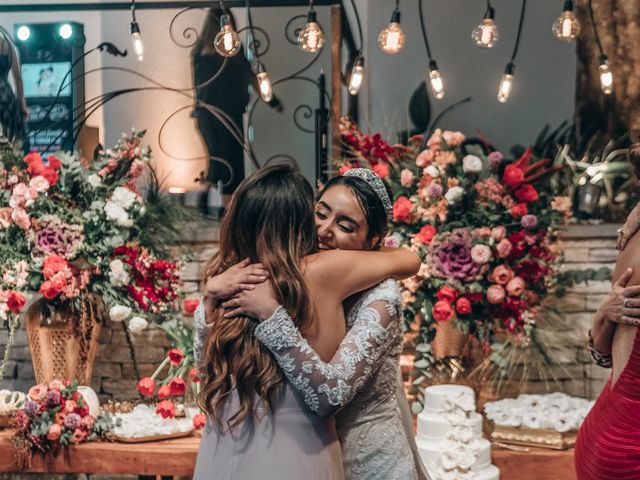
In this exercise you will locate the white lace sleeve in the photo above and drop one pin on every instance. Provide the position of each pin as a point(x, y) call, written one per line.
point(200, 332)
point(328, 386)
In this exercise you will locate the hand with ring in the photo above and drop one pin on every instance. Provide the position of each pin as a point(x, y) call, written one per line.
point(258, 303)
point(622, 304)
point(629, 229)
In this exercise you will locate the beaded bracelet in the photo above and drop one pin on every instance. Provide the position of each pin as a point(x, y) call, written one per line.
point(604, 360)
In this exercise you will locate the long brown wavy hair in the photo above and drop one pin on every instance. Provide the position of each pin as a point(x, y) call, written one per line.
point(269, 220)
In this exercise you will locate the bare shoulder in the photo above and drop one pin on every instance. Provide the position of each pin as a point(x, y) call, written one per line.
point(629, 258)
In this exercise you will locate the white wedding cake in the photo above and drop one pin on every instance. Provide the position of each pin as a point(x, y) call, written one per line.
point(449, 436)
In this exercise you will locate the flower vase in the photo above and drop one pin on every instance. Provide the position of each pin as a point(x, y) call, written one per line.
point(63, 339)
point(449, 341)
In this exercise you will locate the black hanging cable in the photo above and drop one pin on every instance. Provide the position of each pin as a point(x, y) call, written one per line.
point(355, 11)
point(519, 34)
point(490, 10)
point(424, 30)
point(133, 10)
point(595, 30)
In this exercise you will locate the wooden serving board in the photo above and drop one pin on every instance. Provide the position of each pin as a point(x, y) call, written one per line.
point(151, 438)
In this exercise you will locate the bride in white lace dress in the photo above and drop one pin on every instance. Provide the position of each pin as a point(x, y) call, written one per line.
point(361, 384)
point(257, 426)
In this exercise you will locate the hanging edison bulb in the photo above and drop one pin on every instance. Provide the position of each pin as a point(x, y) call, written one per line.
point(264, 83)
point(506, 83)
point(357, 75)
point(435, 80)
point(566, 27)
point(136, 40)
point(486, 34)
point(606, 76)
point(391, 39)
point(311, 38)
point(227, 42)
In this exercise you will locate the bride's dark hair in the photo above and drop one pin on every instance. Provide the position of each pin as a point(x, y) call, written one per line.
point(269, 220)
point(634, 158)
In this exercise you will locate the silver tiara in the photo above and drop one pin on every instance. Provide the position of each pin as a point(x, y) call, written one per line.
point(375, 182)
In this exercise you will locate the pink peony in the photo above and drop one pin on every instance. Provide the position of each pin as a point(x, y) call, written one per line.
point(480, 254)
point(452, 138)
point(501, 275)
point(54, 432)
point(20, 217)
point(504, 248)
point(406, 177)
point(39, 183)
point(424, 158)
point(38, 393)
point(515, 287)
point(495, 294)
point(498, 233)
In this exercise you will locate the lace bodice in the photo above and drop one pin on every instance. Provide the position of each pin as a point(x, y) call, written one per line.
point(361, 382)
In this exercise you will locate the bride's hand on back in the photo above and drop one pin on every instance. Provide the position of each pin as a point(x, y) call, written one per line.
point(259, 302)
point(241, 276)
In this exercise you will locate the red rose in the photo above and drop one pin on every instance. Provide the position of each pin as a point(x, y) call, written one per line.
point(166, 409)
point(32, 157)
point(463, 306)
point(16, 301)
point(53, 264)
point(513, 175)
point(442, 311)
point(426, 234)
point(164, 392)
point(447, 294)
point(146, 386)
point(189, 305)
point(526, 193)
point(199, 420)
point(475, 297)
point(54, 162)
point(177, 387)
point(175, 356)
point(519, 210)
point(402, 209)
point(194, 376)
point(48, 290)
point(382, 169)
point(50, 175)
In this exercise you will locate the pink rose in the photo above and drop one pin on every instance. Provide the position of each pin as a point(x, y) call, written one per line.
point(5, 217)
point(20, 217)
point(515, 287)
point(39, 183)
point(482, 232)
point(424, 158)
point(480, 254)
point(54, 432)
point(498, 233)
point(37, 393)
point(18, 195)
point(453, 139)
point(406, 177)
point(495, 294)
point(504, 248)
point(69, 406)
point(56, 385)
point(435, 140)
point(501, 275)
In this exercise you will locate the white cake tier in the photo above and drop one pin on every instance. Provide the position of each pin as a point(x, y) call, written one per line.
point(435, 427)
point(430, 452)
point(436, 395)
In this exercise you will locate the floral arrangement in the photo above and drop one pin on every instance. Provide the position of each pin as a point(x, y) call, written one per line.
point(181, 383)
point(71, 229)
point(56, 414)
point(482, 227)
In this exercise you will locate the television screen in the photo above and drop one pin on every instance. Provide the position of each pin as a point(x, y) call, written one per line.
point(44, 79)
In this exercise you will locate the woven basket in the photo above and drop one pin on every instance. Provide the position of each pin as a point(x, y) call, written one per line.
point(449, 341)
point(63, 341)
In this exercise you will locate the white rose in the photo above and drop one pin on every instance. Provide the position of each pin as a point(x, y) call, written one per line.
point(39, 183)
point(118, 275)
point(119, 313)
point(432, 171)
point(137, 325)
point(118, 214)
point(471, 164)
point(123, 197)
point(94, 180)
point(448, 460)
point(454, 194)
point(13, 179)
point(466, 459)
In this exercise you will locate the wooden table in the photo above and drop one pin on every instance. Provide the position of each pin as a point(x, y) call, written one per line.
point(178, 458)
point(170, 457)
